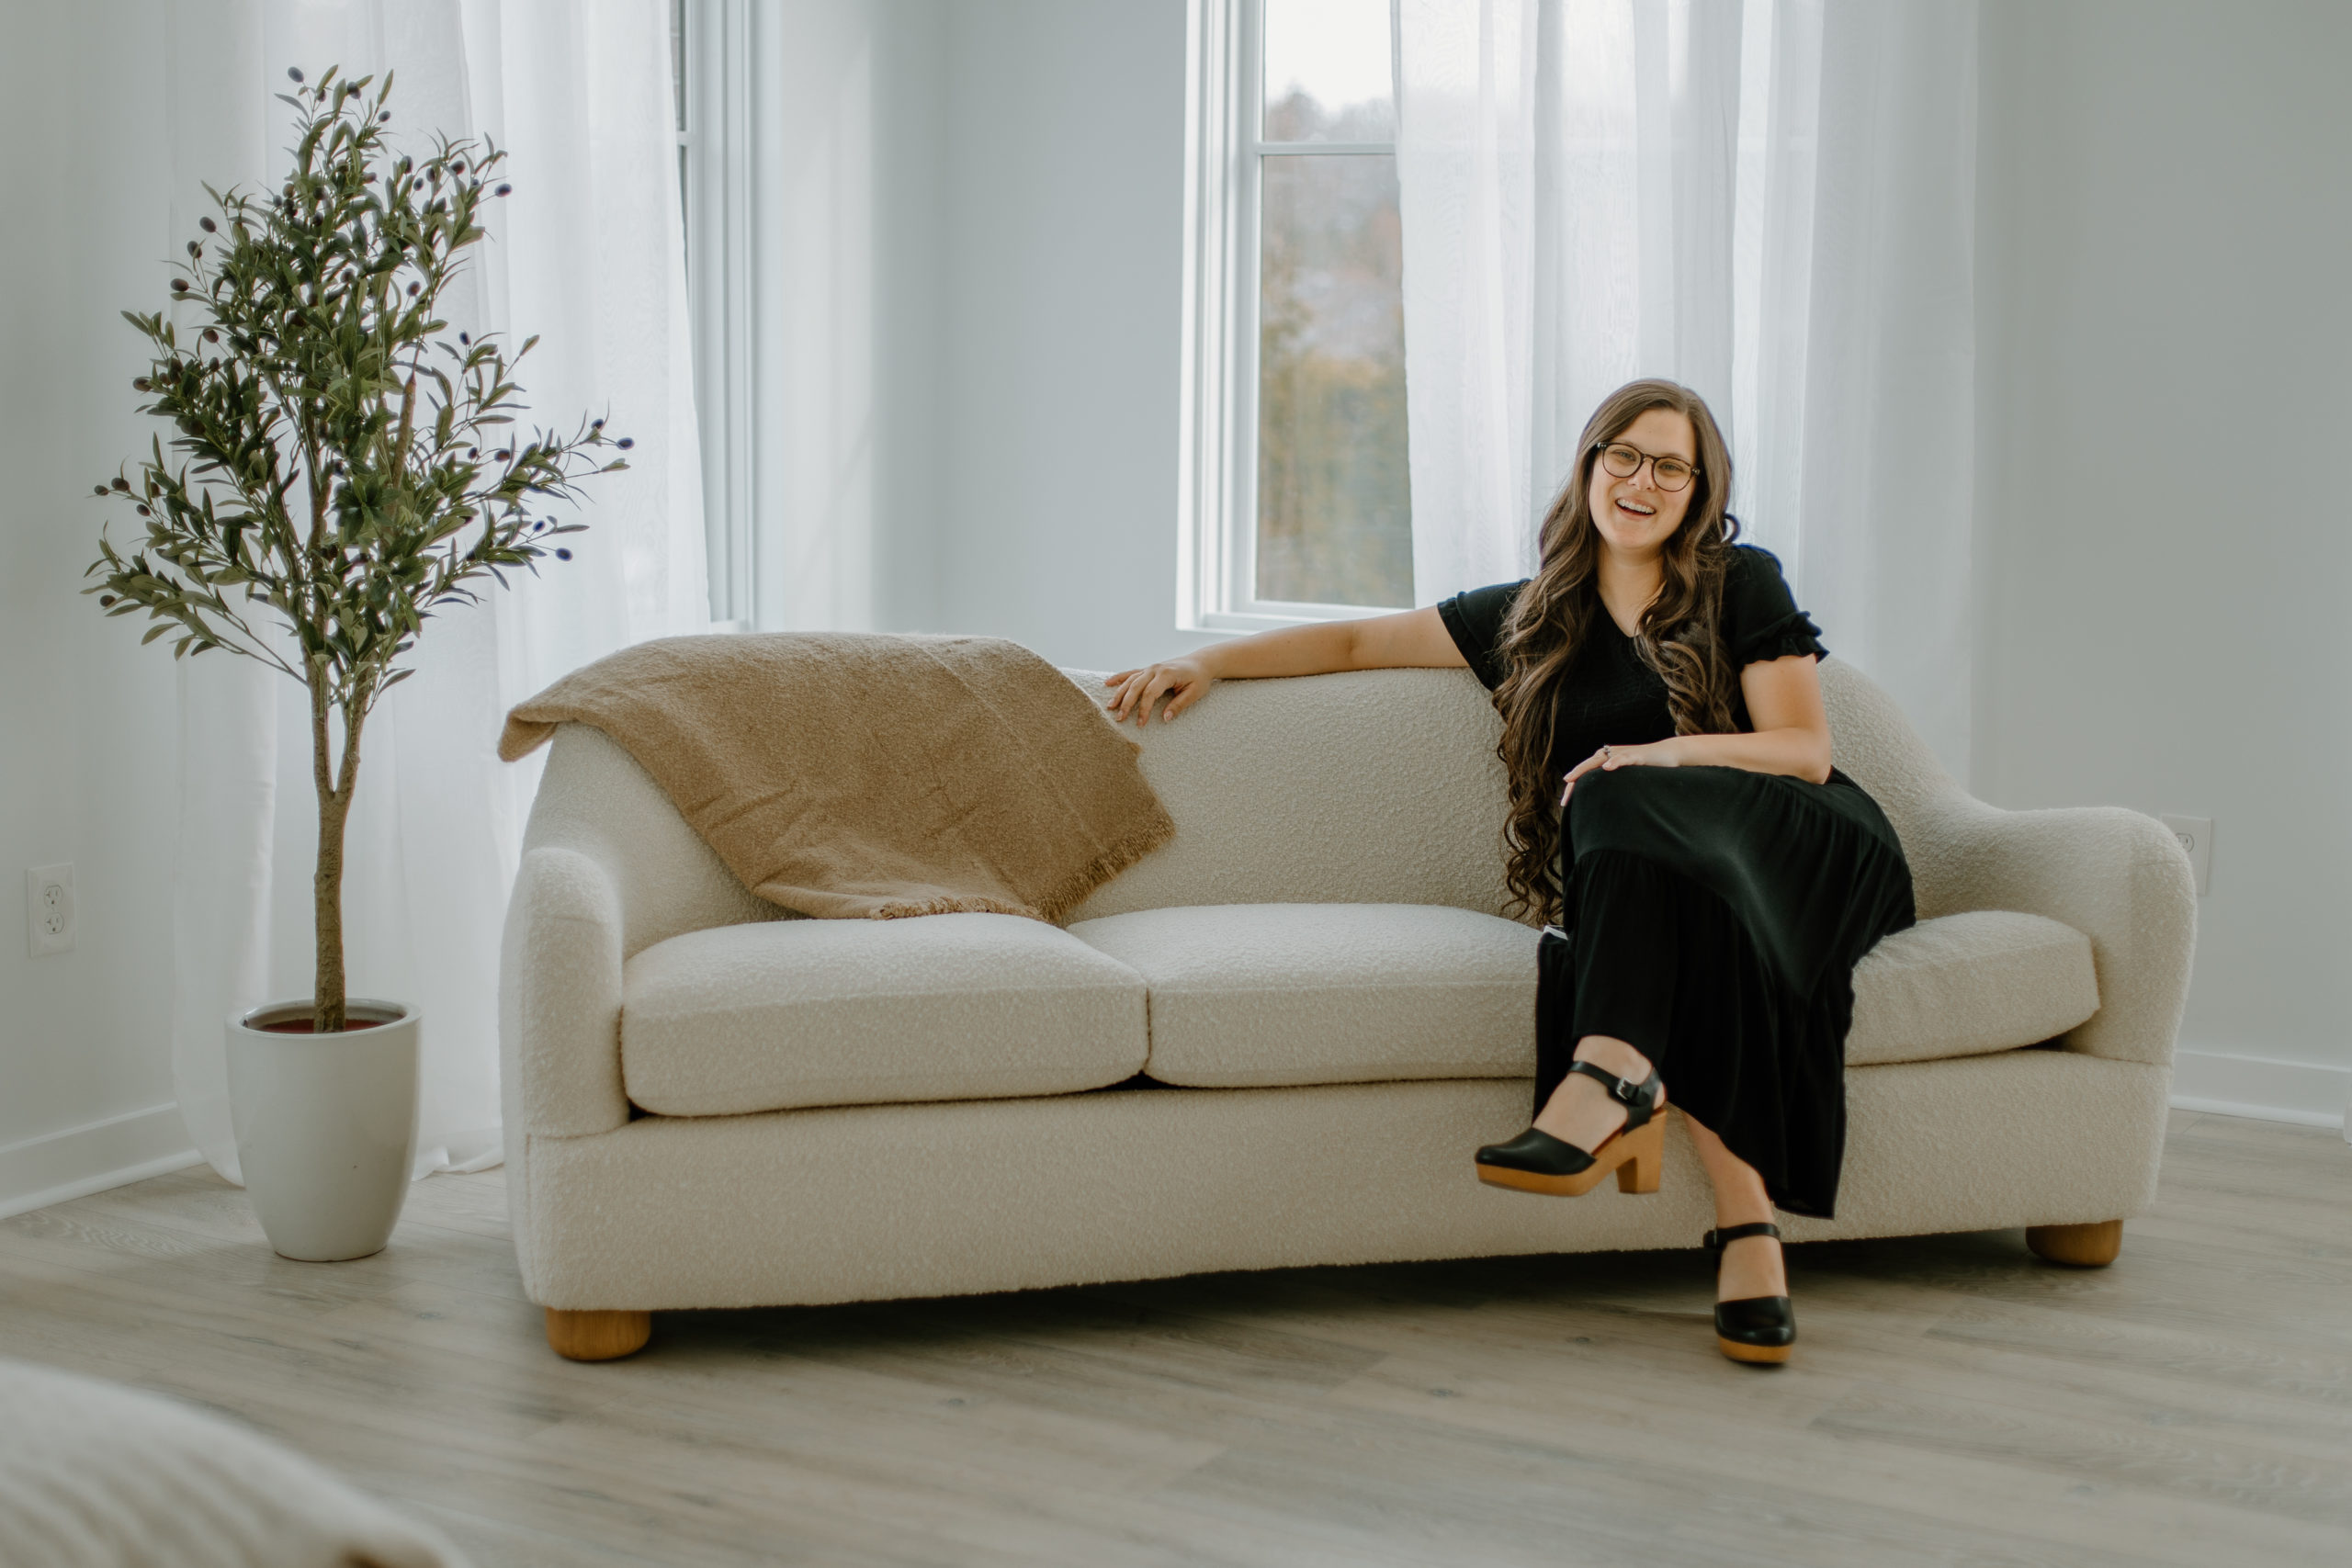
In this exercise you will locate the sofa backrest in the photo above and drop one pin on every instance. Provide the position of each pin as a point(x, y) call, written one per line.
point(1875, 746)
point(1370, 786)
point(1366, 787)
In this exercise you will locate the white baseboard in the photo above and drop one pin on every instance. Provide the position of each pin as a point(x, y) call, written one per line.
point(79, 1161)
point(2309, 1093)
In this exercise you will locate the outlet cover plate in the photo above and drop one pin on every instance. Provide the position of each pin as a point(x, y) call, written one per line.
point(49, 908)
point(2196, 836)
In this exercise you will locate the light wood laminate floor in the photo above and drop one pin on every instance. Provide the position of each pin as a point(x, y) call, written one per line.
point(1952, 1400)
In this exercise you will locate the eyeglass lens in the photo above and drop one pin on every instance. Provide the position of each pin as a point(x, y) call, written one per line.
point(1625, 461)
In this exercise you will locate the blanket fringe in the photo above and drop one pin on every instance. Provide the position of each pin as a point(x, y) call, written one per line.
point(1055, 911)
point(1120, 854)
point(977, 905)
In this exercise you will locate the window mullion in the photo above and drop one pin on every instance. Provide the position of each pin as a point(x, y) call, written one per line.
point(1240, 522)
point(1206, 429)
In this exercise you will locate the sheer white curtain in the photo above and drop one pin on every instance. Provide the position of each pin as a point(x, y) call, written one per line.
point(1771, 201)
point(585, 252)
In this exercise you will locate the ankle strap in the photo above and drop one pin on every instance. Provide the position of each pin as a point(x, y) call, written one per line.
point(1623, 1090)
point(1716, 1241)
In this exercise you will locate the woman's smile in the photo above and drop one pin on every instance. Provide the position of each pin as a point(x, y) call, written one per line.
point(1636, 518)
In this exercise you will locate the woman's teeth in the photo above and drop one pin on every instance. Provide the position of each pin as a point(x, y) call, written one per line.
point(1636, 509)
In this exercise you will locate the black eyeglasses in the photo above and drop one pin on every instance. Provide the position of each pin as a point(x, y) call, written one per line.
point(1672, 473)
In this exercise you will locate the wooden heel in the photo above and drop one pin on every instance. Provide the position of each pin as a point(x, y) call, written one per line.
point(2078, 1246)
point(1644, 1155)
point(597, 1336)
point(1754, 1355)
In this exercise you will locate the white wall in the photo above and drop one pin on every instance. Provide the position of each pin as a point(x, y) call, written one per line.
point(87, 738)
point(969, 344)
point(850, 145)
point(2166, 377)
point(1063, 253)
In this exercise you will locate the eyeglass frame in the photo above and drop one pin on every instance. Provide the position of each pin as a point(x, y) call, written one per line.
point(1652, 458)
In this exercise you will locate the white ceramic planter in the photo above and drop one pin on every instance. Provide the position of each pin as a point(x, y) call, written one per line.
point(326, 1127)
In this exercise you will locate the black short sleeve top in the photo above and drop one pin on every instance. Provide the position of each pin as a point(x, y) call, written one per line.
point(1610, 698)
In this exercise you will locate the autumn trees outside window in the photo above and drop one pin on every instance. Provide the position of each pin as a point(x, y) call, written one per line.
point(1298, 506)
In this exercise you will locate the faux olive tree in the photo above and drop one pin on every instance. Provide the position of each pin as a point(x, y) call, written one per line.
point(344, 463)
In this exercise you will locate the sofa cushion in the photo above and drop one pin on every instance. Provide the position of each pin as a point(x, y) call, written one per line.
point(795, 1013)
point(1251, 995)
point(1964, 985)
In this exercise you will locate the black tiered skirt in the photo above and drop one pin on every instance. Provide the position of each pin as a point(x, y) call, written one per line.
point(1713, 917)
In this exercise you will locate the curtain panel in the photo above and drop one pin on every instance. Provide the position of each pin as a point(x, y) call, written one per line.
point(587, 253)
point(1771, 201)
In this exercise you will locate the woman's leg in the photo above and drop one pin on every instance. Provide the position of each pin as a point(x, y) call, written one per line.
point(1580, 1110)
point(1624, 963)
point(1751, 1265)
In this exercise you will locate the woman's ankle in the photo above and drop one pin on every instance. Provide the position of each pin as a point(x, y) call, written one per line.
point(1613, 1055)
point(1750, 1266)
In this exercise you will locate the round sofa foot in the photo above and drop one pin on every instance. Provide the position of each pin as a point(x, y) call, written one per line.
point(597, 1336)
point(2080, 1246)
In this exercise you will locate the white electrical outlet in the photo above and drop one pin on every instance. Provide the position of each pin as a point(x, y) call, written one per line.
point(2196, 836)
point(49, 908)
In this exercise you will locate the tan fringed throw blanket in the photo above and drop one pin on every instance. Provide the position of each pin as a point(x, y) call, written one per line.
point(847, 775)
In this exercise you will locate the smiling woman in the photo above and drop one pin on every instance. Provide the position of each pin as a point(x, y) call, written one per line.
point(1711, 879)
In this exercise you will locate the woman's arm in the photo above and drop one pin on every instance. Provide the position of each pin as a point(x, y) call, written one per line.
point(1791, 732)
point(1412, 638)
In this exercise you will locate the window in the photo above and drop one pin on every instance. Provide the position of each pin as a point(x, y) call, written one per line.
point(1295, 505)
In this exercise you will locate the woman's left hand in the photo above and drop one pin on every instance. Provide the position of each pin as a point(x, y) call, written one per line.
point(1657, 754)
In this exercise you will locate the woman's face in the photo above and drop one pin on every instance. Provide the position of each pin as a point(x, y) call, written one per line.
point(1635, 516)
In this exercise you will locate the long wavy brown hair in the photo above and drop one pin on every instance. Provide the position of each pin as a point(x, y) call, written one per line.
point(1678, 635)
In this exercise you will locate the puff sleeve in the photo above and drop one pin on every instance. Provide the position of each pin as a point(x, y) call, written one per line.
point(1474, 617)
point(1761, 620)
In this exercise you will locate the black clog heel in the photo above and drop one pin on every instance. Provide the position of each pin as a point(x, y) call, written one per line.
point(1537, 1162)
point(1756, 1329)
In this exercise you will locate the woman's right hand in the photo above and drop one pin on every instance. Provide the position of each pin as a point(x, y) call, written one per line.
point(1181, 681)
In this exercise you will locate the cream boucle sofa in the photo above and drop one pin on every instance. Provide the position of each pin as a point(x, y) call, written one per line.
point(712, 1104)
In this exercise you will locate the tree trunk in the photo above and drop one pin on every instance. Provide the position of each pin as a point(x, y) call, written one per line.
point(327, 993)
point(328, 1014)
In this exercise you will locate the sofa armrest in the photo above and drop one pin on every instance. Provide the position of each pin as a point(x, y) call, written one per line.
point(2116, 875)
point(559, 997)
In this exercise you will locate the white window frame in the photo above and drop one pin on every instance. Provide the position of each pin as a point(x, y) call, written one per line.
point(723, 249)
point(1217, 523)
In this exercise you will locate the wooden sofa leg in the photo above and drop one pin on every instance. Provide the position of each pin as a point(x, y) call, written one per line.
point(2084, 1247)
point(597, 1336)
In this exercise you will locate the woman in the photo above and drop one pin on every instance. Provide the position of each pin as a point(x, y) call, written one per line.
point(1711, 877)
